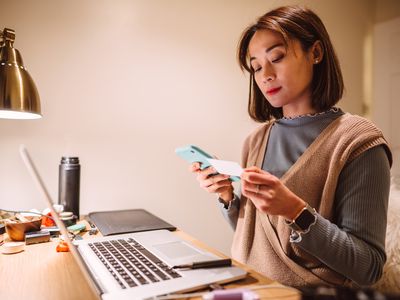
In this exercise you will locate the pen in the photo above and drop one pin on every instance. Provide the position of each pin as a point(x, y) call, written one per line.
point(206, 264)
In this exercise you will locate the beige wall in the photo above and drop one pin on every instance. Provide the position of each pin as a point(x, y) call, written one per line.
point(124, 82)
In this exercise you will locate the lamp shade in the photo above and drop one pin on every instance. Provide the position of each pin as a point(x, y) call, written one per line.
point(19, 98)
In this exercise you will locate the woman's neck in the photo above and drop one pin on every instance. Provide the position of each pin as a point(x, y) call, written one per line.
point(311, 114)
point(298, 110)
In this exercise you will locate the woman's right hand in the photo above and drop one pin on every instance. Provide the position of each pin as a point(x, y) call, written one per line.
point(217, 183)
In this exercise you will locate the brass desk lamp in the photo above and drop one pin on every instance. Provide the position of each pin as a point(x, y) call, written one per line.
point(19, 98)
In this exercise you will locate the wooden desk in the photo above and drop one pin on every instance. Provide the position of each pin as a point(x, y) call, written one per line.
point(41, 273)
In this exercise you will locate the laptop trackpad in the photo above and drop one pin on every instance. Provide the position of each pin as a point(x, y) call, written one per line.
point(175, 250)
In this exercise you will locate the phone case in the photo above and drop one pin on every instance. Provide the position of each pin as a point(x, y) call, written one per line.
point(193, 154)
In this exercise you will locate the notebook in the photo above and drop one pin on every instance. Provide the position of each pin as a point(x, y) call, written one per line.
point(129, 220)
point(136, 265)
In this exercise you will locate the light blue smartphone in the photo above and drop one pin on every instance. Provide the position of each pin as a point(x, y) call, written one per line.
point(193, 154)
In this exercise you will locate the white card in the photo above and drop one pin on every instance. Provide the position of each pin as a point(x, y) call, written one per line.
point(226, 167)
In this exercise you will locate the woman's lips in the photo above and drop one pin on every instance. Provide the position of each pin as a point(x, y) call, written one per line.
point(273, 91)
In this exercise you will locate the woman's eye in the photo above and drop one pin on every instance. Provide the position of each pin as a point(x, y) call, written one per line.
point(256, 69)
point(277, 59)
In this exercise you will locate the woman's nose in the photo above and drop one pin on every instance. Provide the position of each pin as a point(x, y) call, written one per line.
point(268, 75)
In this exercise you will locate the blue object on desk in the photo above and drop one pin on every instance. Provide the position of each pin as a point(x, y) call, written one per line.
point(77, 227)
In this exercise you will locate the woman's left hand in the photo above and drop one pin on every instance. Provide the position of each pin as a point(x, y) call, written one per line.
point(269, 194)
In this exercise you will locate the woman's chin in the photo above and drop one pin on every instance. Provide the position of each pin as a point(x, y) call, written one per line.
point(275, 104)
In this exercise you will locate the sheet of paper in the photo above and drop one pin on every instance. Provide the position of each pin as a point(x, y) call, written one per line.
point(226, 167)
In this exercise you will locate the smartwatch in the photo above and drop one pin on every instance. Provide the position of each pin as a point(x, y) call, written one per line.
point(304, 220)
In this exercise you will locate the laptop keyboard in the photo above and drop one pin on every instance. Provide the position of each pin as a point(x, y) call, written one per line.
point(130, 263)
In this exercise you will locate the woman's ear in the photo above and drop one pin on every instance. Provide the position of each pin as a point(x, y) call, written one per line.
point(317, 52)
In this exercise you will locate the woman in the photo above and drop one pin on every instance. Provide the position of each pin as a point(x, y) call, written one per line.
point(314, 193)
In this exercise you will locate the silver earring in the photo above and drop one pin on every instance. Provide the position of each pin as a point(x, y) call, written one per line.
point(316, 61)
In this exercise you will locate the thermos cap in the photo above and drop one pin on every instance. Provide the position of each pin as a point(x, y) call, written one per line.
point(70, 160)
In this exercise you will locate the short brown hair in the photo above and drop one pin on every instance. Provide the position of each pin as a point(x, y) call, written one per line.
point(302, 24)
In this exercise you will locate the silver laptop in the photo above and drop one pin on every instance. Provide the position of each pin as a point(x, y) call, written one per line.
point(137, 265)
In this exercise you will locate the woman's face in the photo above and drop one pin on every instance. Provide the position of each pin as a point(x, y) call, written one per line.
point(283, 74)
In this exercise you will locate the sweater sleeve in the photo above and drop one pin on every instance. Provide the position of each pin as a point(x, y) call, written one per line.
point(354, 243)
point(231, 211)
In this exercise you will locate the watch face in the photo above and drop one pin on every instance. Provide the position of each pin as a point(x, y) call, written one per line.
point(305, 219)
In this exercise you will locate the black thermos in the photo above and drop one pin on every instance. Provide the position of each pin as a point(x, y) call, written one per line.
point(68, 184)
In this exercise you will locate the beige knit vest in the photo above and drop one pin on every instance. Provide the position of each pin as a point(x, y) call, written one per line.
point(262, 241)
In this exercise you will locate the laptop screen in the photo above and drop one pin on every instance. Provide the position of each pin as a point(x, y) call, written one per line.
point(49, 203)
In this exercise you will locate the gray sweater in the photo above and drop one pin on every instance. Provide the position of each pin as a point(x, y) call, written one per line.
point(353, 243)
